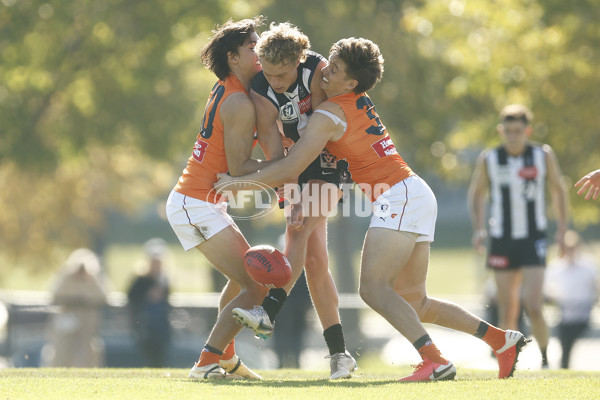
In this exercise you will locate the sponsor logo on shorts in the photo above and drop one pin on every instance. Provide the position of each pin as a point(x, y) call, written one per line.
point(500, 262)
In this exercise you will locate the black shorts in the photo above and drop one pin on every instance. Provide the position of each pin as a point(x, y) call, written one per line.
point(507, 254)
point(326, 168)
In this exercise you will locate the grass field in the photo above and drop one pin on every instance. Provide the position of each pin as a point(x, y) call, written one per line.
point(452, 271)
point(367, 384)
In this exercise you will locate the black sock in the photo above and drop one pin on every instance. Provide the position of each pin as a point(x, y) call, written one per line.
point(481, 330)
point(334, 337)
point(422, 341)
point(211, 349)
point(273, 302)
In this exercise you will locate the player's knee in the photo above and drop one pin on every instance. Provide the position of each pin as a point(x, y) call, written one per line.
point(533, 311)
point(245, 282)
point(316, 263)
point(368, 289)
point(256, 290)
point(364, 292)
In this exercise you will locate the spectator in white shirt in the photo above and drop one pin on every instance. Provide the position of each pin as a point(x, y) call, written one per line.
point(572, 283)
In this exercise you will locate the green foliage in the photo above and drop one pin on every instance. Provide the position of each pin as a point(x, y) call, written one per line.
point(100, 99)
point(452, 65)
point(540, 53)
point(95, 96)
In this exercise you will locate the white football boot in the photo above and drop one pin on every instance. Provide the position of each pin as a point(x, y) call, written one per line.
point(236, 369)
point(256, 319)
point(210, 371)
point(342, 365)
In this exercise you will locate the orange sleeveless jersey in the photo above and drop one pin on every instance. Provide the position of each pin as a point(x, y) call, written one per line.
point(373, 161)
point(208, 157)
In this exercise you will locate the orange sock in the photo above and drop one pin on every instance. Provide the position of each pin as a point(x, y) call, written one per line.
point(207, 357)
point(229, 351)
point(494, 337)
point(431, 352)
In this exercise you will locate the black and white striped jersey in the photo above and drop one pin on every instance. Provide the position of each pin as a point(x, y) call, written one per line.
point(294, 105)
point(517, 190)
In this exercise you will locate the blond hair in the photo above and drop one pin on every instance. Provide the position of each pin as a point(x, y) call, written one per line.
point(282, 44)
point(516, 112)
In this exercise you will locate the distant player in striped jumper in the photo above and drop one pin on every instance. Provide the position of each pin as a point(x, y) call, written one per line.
point(517, 174)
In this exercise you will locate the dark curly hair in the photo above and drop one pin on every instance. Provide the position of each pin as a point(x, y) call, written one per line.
point(226, 38)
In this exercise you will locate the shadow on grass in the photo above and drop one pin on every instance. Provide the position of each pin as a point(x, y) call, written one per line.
point(291, 383)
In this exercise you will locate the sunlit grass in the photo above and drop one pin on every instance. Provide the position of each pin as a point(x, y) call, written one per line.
point(368, 383)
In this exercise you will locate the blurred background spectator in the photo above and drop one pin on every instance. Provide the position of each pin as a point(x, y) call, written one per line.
point(148, 297)
point(571, 282)
point(74, 329)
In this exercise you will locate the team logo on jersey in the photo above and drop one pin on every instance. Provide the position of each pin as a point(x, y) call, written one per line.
point(199, 150)
point(530, 172)
point(287, 114)
point(328, 160)
point(384, 147)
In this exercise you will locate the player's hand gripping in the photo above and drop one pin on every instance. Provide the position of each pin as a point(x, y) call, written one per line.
point(295, 219)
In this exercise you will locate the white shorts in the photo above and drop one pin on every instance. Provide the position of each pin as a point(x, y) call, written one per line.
point(195, 221)
point(408, 206)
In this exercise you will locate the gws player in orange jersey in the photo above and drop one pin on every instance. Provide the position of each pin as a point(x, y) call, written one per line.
point(199, 217)
point(395, 255)
point(285, 93)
